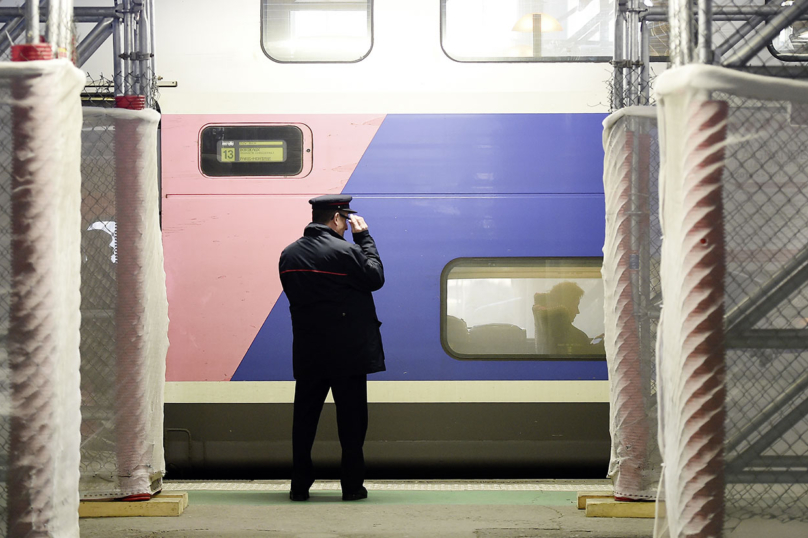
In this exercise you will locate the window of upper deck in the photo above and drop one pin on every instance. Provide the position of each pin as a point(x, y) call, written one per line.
point(316, 30)
point(528, 30)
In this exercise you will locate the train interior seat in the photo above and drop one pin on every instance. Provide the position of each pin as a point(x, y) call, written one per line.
point(457, 334)
point(498, 338)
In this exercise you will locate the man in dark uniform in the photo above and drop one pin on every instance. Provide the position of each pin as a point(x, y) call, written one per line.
point(336, 338)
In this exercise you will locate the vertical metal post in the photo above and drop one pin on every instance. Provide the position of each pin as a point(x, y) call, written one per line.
point(134, 56)
point(117, 48)
point(60, 16)
point(52, 28)
point(93, 40)
point(31, 21)
point(706, 31)
point(152, 67)
point(128, 46)
point(144, 37)
point(645, 58)
point(67, 46)
point(149, 77)
point(617, 61)
point(633, 52)
point(680, 19)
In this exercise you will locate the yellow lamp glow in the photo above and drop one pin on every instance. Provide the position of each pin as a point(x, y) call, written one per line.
point(542, 22)
point(548, 23)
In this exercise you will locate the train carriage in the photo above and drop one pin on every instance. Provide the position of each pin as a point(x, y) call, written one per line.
point(471, 147)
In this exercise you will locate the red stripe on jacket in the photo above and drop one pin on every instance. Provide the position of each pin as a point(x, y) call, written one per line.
point(312, 271)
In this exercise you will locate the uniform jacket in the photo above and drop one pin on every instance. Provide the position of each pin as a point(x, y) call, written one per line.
point(328, 282)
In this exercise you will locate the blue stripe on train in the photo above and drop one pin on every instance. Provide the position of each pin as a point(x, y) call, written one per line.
point(509, 205)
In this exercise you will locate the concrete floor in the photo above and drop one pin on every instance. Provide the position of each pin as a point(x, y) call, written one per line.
point(394, 509)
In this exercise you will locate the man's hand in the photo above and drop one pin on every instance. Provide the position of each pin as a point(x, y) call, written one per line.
point(357, 224)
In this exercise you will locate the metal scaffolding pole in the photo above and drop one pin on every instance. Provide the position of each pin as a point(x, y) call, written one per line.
point(768, 477)
point(10, 33)
point(135, 52)
point(31, 21)
point(617, 92)
point(53, 15)
point(645, 68)
point(152, 68)
point(741, 32)
point(117, 48)
point(773, 27)
point(767, 438)
point(128, 47)
point(774, 291)
point(80, 14)
point(795, 390)
point(705, 31)
point(97, 36)
point(633, 34)
point(144, 35)
point(680, 17)
point(738, 13)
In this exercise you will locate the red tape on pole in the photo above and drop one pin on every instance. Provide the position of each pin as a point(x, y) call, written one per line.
point(31, 52)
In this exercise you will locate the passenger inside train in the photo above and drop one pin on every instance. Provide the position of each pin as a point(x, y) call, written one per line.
point(554, 313)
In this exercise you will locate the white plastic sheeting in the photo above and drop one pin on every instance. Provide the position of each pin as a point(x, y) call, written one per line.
point(731, 388)
point(631, 298)
point(40, 122)
point(125, 327)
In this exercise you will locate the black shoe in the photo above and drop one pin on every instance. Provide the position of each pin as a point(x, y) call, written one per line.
point(361, 493)
point(300, 496)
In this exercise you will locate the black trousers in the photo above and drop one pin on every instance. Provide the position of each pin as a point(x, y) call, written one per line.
point(351, 398)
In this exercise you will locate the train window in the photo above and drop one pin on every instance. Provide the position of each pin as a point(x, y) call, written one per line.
point(263, 150)
point(528, 30)
point(316, 30)
point(522, 308)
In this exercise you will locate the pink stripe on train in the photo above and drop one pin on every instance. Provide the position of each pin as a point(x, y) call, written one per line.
point(223, 236)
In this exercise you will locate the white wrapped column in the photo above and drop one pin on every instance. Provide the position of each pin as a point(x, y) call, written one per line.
point(123, 361)
point(634, 465)
point(692, 370)
point(141, 317)
point(43, 332)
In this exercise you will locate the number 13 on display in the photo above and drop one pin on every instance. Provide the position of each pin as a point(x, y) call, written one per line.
point(228, 155)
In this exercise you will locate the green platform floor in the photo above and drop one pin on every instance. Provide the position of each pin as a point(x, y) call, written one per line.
point(487, 498)
point(459, 509)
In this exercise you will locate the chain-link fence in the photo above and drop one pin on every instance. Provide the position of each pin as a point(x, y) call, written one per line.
point(40, 122)
point(766, 298)
point(98, 303)
point(736, 435)
point(99, 92)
